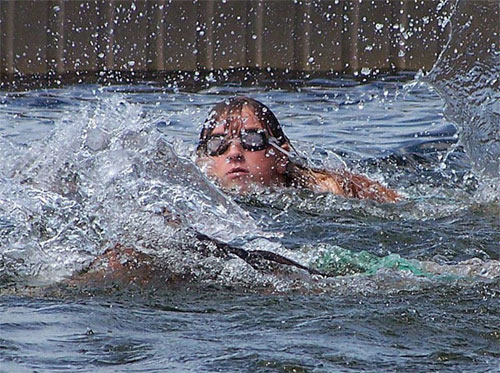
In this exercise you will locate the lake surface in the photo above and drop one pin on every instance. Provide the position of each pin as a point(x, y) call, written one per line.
point(84, 167)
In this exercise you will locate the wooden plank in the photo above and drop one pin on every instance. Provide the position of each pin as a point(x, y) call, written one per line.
point(131, 40)
point(374, 48)
point(7, 37)
point(30, 37)
point(277, 34)
point(422, 41)
point(86, 37)
point(156, 29)
point(326, 36)
point(350, 36)
point(254, 35)
point(229, 34)
point(180, 47)
point(55, 37)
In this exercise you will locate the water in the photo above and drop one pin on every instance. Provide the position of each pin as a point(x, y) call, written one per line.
point(413, 286)
point(84, 167)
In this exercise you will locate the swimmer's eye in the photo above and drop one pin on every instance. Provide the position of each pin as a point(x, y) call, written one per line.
point(254, 140)
point(216, 145)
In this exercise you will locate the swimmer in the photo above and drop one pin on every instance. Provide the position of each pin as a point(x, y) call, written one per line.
point(243, 147)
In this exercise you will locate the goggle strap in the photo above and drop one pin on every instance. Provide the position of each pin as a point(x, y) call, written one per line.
point(298, 160)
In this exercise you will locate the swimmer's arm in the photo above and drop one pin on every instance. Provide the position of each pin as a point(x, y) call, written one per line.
point(118, 266)
point(123, 267)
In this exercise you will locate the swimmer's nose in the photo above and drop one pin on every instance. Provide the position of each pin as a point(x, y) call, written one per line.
point(235, 151)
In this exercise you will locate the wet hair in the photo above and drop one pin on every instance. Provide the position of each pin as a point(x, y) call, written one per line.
point(228, 110)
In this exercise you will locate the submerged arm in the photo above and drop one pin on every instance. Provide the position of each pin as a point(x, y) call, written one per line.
point(121, 266)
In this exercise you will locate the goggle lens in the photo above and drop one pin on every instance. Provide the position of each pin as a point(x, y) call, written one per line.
point(249, 140)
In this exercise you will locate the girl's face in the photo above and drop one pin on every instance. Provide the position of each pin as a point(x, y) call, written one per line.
point(238, 167)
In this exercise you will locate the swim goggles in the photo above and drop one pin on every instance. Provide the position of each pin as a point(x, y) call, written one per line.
point(252, 140)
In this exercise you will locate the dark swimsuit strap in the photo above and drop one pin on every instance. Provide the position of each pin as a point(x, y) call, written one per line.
point(253, 256)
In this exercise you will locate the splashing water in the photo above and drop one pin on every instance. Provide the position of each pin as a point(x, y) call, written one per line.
point(108, 174)
point(108, 177)
point(466, 76)
point(415, 284)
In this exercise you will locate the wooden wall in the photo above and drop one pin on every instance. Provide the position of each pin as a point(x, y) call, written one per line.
point(44, 39)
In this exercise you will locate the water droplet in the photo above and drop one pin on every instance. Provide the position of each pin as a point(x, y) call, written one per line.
point(366, 71)
point(131, 63)
point(379, 26)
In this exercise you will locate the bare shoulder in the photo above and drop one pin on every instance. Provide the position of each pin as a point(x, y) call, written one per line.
point(353, 185)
